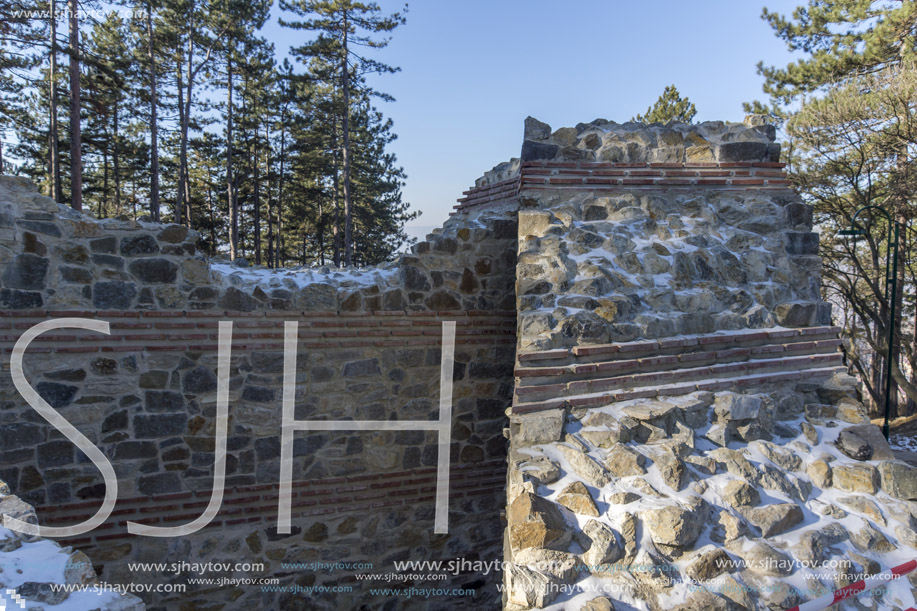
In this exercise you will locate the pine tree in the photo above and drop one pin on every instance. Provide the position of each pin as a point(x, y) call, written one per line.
point(108, 78)
point(76, 154)
point(342, 24)
point(669, 107)
point(840, 38)
point(845, 43)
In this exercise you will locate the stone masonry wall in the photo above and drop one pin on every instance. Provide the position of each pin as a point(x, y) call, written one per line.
point(369, 348)
point(684, 434)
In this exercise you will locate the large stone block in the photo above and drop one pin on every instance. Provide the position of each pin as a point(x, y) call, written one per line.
point(539, 427)
point(26, 272)
point(143, 244)
point(801, 243)
point(113, 295)
point(536, 522)
point(795, 314)
point(159, 425)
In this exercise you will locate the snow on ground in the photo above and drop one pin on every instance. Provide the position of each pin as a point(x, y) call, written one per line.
point(43, 561)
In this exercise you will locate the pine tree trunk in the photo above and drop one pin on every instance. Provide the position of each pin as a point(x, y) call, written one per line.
point(76, 156)
point(321, 234)
point(345, 85)
point(103, 201)
point(280, 181)
point(53, 131)
point(213, 220)
point(185, 173)
point(116, 162)
point(230, 187)
point(154, 128)
point(256, 179)
point(180, 187)
point(893, 411)
point(335, 186)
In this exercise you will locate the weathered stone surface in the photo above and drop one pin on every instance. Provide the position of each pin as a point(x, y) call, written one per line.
point(865, 506)
point(577, 499)
point(114, 295)
point(810, 433)
point(606, 547)
point(871, 435)
point(540, 470)
point(317, 297)
point(735, 463)
point(708, 565)
point(774, 519)
point(738, 493)
point(42, 593)
point(781, 457)
point(801, 243)
point(174, 234)
point(898, 479)
point(600, 603)
point(674, 525)
point(867, 538)
point(622, 461)
point(78, 569)
point(671, 468)
point(27, 272)
point(18, 509)
point(535, 522)
point(622, 498)
point(540, 427)
point(853, 445)
point(795, 314)
point(529, 588)
point(143, 244)
point(585, 467)
point(855, 478)
point(763, 559)
point(154, 271)
point(533, 222)
point(731, 406)
point(820, 473)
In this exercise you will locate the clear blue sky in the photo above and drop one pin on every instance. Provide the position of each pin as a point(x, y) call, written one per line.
point(472, 70)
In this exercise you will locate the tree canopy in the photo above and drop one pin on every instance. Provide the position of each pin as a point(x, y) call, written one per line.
point(670, 106)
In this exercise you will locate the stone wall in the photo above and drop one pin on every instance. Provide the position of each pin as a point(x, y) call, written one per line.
point(684, 434)
point(369, 348)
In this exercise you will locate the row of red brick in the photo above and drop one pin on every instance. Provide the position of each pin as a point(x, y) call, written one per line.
point(669, 390)
point(259, 503)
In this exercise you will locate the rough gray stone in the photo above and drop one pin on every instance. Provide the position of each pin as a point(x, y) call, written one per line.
point(26, 272)
point(795, 314)
point(154, 271)
point(143, 244)
point(539, 427)
point(585, 467)
point(675, 525)
point(575, 497)
point(536, 522)
point(42, 593)
point(899, 479)
point(853, 445)
point(622, 461)
point(606, 547)
point(774, 519)
point(113, 295)
point(738, 493)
